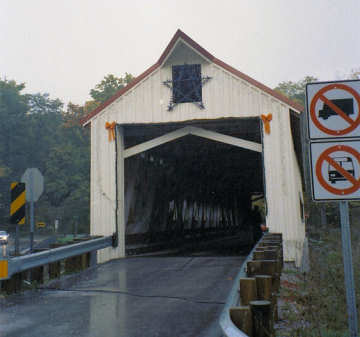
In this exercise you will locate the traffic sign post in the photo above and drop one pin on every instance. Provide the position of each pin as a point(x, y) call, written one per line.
point(34, 181)
point(348, 269)
point(333, 113)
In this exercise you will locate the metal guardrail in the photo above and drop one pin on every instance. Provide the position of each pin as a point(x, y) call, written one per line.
point(21, 263)
point(227, 326)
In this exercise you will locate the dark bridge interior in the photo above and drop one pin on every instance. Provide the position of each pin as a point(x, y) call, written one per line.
point(191, 190)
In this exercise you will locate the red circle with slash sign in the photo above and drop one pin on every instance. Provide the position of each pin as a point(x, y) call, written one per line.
point(325, 157)
point(354, 123)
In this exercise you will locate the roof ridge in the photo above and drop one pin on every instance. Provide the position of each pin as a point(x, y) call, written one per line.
point(180, 34)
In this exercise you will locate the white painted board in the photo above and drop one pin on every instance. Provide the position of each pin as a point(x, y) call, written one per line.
point(335, 168)
point(333, 109)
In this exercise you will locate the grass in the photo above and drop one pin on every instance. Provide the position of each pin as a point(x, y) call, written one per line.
point(65, 239)
point(316, 307)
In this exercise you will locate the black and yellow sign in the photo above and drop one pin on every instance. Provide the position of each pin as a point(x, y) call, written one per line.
point(18, 200)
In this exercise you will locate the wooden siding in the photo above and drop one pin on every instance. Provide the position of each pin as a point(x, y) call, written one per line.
point(225, 95)
point(283, 185)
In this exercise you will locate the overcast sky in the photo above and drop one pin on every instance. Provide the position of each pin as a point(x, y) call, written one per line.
point(65, 47)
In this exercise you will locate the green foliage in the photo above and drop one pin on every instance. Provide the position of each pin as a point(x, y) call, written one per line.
point(35, 132)
point(109, 86)
point(295, 90)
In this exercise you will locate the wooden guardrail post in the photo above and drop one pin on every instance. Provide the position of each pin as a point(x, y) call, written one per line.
point(264, 287)
point(55, 267)
point(37, 275)
point(262, 317)
point(12, 285)
point(258, 291)
point(242, 318)
point(73, 264)
point(54, 270)
point(247, 290)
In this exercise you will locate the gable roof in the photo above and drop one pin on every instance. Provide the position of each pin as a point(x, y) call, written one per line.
point(181, 35)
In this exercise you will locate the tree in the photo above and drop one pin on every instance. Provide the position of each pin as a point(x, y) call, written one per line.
point(13, 108)
point(109, 86)
point(35, 131)
point(295, 90)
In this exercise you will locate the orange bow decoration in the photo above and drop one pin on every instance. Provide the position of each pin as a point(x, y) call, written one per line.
point(111, 128)
point(266, 120)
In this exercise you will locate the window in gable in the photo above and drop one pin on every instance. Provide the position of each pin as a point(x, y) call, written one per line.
point(187, 83)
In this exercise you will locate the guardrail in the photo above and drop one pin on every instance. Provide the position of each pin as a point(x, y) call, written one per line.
point(228, 327)
point(18, 264)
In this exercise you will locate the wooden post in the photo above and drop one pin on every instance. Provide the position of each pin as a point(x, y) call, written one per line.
point(37, 274)
point(85, 261)
point(73, 264)
point(259, 255)
point(262, 267)
point(262, 318)
point(13, 284)
point(247, 290)
point(54, 270)
point(263, 287)
point(242, 318)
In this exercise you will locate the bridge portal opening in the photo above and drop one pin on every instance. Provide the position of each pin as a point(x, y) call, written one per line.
point(193, 192)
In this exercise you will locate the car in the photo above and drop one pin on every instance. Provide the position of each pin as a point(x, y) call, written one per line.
point(4, 237)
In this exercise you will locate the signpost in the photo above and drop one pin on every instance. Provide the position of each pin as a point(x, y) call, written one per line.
point(34, 182)
point(333, 111)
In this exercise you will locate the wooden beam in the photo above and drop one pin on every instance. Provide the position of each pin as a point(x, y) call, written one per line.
point(218, 137)
point(156, 142)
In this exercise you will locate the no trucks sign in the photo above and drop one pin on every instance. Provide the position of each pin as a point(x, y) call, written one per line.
point(333, 109)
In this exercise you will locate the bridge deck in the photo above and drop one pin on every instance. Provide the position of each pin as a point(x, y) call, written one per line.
point(134, 297)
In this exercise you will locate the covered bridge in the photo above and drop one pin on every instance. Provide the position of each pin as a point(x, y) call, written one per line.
point(189, 144)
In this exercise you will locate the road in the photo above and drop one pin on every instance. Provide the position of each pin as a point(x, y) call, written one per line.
point(133, 297)
point(24, 241)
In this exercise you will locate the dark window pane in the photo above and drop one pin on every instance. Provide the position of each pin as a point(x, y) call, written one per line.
point(187, 83)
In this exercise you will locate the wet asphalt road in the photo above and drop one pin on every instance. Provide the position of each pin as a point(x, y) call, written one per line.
point(133, 297)
point(40, 241)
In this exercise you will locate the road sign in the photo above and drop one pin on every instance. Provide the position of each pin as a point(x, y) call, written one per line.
point(34, 181)
point(336, 170)
point(333, 109)
point(17, 205)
